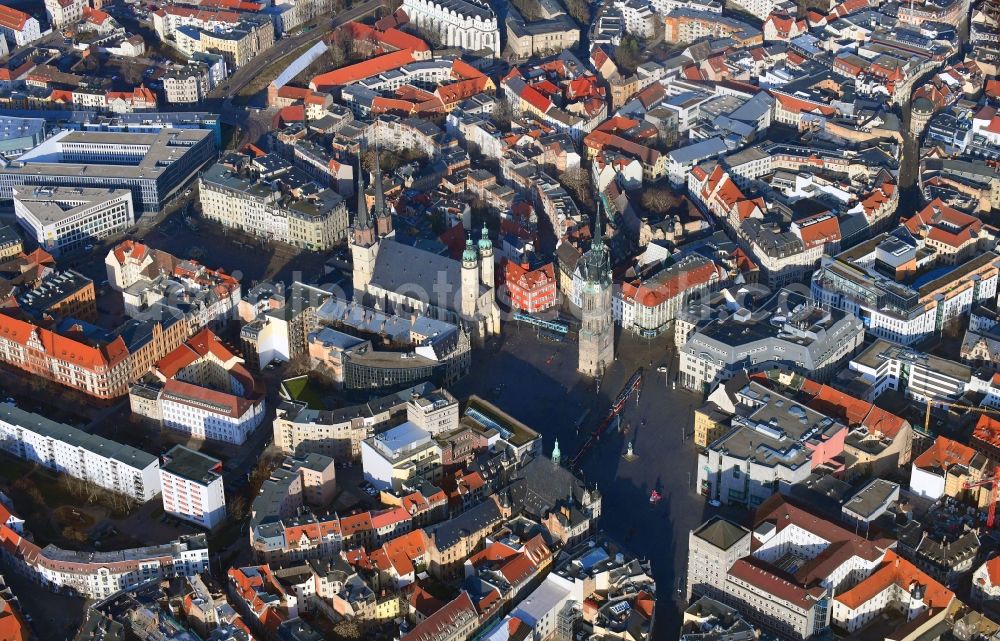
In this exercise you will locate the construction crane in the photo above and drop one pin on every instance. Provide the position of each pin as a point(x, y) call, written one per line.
point(934, 401)
point(995, 482)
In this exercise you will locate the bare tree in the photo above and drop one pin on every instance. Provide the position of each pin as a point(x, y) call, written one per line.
point(577, 182)
point(580, 10)
point(658, 199)
point(502, 114)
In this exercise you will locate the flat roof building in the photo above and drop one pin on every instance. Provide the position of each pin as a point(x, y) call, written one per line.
point(152, 166)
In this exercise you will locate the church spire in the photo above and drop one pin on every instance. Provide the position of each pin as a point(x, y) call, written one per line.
point(598, 240)
point(379, 194)
point(362, 220)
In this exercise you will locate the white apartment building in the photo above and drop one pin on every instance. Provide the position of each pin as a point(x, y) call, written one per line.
point(638, 16)
point(64, 12)
point(759, 8)
point(17, 27)
point(65, 449)
point(97, 575)
point(208, 414)
point(65, 219)
point(192, 487)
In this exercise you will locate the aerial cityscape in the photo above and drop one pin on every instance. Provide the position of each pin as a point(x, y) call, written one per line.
point(499, 320)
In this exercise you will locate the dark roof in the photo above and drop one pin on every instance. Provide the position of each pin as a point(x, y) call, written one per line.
point(721, 533)
point(485, 515)
point(405, 269)
point(539, 486)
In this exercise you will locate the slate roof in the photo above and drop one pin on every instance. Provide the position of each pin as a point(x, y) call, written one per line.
point(405, 269)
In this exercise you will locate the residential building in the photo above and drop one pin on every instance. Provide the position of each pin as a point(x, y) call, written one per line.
point(897, 586)
point(149, 279)
point(67, 450)
point(202, 390)
point(300, 428)
point(153, 166)
point(68, 219)
point(63, 13)
point(102, 367)
point(18, 28)
point(269, 197)
point(774, 443)
point(746, 569)
point(647, 306)
point(944, 469)
point(530, 290)
point(191, 483)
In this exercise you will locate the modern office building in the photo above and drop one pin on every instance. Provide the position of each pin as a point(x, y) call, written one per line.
point(191, 486)
point(400, 455)
point(65, 219)
point(790, 331)
point(152, 166)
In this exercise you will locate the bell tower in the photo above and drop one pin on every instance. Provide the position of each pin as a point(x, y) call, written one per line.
point(364, 245)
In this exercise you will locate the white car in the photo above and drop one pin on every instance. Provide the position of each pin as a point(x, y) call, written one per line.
point(715, 503)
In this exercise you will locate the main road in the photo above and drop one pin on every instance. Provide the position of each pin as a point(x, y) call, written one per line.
point(285, 47)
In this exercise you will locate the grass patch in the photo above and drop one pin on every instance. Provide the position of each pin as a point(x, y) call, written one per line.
point(302, 389)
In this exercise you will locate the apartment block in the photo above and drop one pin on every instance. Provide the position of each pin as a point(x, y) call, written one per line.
point(67, 450)
point(192, 489)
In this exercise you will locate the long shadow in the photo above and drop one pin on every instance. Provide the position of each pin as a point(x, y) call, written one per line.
point(537, 383)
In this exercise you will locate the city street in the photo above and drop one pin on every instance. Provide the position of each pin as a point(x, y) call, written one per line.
point(535, 380)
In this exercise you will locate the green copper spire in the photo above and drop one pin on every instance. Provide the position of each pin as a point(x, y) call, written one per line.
point(469, 255)
point(484, 239)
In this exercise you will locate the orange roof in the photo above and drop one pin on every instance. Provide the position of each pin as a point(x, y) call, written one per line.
point(944, 453)
point(12, 18)
point(987, 430)
point(798, 105)
point(12, 627)
point(534, 98)
point(897, 571)
point(389, 517)
point(944, 224)
point(360, 71)
point(129, 249)
point(819, 230)
point(993, 570)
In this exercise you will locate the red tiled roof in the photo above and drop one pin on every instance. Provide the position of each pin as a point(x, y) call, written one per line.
point(944, 453)
point(896, 570)
point(12, 18)
point(360, 71)
point(443, 619)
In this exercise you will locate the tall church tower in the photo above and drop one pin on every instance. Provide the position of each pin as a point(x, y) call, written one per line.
point(383, 216)
point(470, 280)
point(597, 330)
point(364, 244)
point(491, 315)
point(486, 254)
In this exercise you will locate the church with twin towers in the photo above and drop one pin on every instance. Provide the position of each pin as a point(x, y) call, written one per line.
point(392, 274)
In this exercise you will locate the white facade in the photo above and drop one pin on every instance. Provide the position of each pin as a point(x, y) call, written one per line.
point(197, 497)
point(65, 219)
point(64, 12)
point(112, 466)
point(926, 483)
point(210, 421)
point(96, 575)
point(19, 30)
point(468, 24)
